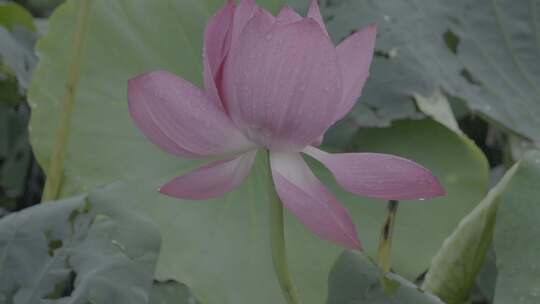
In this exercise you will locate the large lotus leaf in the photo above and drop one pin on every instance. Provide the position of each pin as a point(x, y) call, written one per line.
point(516, 236)
point(124, 38)
point(484, 51)
point(355, 279)
point(219, 248)
point(86, 249)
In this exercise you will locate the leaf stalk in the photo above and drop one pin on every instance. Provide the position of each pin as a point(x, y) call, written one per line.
point(55, 172)
point(385, 243)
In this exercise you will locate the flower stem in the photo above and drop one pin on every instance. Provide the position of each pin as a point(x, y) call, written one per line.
point(277, 243)
point(385, 243)
point(56, 167)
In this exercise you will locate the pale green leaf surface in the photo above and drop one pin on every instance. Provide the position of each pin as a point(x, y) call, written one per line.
point(487, 277)
point(455, 267)
point(516, 236)
point(171, 292)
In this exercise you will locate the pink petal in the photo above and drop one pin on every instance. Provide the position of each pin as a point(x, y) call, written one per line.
point(318, 141)
point(246, 10)
point(355, 54)
point(315, 13)
point(217, 39)
point(212, 180)
point(380, 175)
point(281, 87)
point(177, 116)
point(304, 195)
point(287, 15)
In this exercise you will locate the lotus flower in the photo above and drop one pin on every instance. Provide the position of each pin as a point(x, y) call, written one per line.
point(275, 83)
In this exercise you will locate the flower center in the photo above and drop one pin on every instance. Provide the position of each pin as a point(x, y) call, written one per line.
point(269, 139)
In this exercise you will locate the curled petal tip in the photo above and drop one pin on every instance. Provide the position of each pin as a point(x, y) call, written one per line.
point(373, 26)
point(131, 81)
point(168, 190)
point(315, 13)
point(370, 31)
point(438, 188)
point(357, 246)
point(136, 80)
point(312, 21)
point(314, 4)
point(288, 15)
point(163, 190)
point(430, 187)
point(443, 191)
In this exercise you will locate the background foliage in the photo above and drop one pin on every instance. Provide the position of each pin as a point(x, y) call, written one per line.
point(86, 249)
point(453, 86)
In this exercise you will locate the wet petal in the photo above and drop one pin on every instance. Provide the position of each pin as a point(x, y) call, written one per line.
point(380, 175)
point(179, 118)
point(280, 88)
point(304, 195)
point(355, 55)
point(217, 40)
point(315, 13)
point(212, 180)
